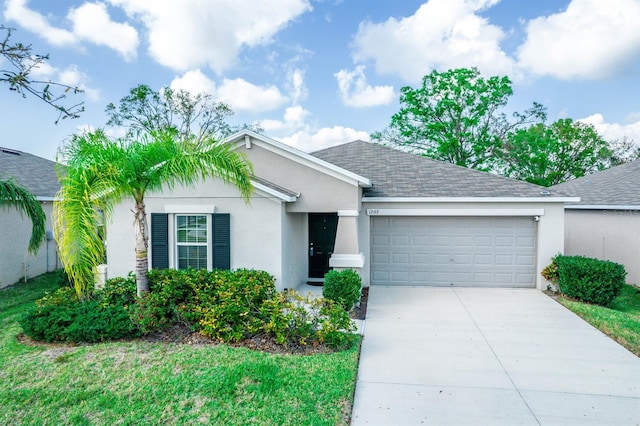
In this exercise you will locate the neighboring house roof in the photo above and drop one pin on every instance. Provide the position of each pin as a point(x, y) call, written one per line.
point(35, 173)
point(613, 188)
point(394, 173)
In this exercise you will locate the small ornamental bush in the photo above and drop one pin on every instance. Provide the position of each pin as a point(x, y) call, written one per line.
point(293, 319)
point(60, 316)
point(229, 310)
point(343, 287)
point(590, 280)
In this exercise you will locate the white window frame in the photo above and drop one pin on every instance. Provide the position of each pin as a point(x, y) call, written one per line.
point(173, 238)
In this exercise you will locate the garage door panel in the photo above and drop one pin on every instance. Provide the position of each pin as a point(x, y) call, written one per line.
point(448, 251)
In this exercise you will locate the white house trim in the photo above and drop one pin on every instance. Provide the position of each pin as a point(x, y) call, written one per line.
point(455, 212)
point(187, 209)
point(347, 260)
point(284, 197)
point(352, 213)
point(299, 157)
point(600, 207)
point(469, 199)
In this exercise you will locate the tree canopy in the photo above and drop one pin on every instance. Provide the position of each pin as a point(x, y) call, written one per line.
point(456, 116)
point(103, 172)
point(550, 154)
point(14, 195)
point(17, 71)
point(144, 111)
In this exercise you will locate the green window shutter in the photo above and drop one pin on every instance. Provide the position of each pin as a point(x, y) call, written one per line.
point(221, 240)
point(159, 240)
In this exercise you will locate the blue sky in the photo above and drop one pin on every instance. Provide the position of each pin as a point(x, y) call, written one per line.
point(316, 73)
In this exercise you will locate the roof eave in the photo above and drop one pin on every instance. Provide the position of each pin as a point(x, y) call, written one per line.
point(601, 207)
point(545, 199)
point(238, 138)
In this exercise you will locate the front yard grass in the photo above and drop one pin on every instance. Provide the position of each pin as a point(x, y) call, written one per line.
point(620, 320)
point(139, 382)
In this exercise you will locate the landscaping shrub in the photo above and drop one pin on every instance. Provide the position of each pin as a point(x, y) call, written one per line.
point(591, 280)
point(228, 308)
point(224, 305)
point(343, 287)
point(294, 319)
point(60, 316)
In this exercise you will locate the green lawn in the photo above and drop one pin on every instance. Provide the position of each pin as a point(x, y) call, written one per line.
point(620, 321)
point(152, 383)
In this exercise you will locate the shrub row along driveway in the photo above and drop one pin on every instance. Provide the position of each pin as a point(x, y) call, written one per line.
point(488, 356)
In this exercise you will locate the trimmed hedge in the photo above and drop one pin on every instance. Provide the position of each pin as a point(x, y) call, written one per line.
point(590, 280)
point(343, 287)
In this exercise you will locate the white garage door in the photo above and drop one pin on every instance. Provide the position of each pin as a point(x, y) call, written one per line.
point(453, 251)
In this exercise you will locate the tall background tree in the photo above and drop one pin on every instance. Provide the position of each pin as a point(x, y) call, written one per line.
point(195, 116)
point(456, 116)
point(15, 195)
point(550, 154)
point(17, 71)
point(102, 172)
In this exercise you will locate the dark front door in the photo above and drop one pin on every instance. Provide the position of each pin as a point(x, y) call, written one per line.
point(322, 237)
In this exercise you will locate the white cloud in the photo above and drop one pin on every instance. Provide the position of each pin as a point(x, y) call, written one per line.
point(325, 137)
point(591, 39)
point(240, 94)
point(245, 96)
point(17, 10)
point(92, 22)
point(298, 90)
point(190, 34)
point(442, 34)
point(194, 82)
point(293, 120)
point(613, 131)
point(356, 92)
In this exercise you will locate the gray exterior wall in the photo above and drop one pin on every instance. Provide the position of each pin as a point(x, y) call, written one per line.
point(15, 260)
point(550, 228)
point(319, 192)
point(256, 228)
point(607, 235)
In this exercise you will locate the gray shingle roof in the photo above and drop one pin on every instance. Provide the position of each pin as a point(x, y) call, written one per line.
point(617, 186)
point(35, 173)
point(399, 174)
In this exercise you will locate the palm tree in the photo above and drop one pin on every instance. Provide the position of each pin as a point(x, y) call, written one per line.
point(14, 195)
point(102, 173)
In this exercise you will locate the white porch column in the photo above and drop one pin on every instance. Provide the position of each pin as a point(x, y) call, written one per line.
point(346, 252)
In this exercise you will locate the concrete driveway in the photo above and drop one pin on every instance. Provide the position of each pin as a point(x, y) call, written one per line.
point(488, 357)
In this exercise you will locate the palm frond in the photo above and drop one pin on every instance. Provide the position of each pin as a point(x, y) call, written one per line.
point(12, 194)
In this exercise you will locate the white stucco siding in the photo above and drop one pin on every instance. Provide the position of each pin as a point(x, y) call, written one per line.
point(15, 259)
point(607, 235)
point(319, 192)
point(549, 228)
point(294, 249)
point(256, 228)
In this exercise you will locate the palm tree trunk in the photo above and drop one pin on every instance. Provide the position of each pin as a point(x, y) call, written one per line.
point(142, 243)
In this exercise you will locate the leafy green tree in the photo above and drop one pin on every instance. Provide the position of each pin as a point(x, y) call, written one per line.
point(14, 195)
point(550, 154)
point(623, 150)
point(102, 173)
point(456, 117)
point(144, 111)
point(20, 63)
